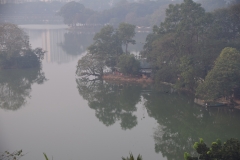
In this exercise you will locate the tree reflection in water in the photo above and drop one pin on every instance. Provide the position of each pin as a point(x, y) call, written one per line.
point(15, 86)
point(76, 43)
point(181, 123)
point(111, 102)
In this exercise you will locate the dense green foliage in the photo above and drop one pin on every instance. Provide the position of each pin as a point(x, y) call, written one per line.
point(230, 150)
point(126, 32)
point(105, 51)
point(223, 79)
point(15, 50)
point(183, 49)
point(128, 64)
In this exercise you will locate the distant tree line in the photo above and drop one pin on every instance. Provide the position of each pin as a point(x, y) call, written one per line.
point(141, 12)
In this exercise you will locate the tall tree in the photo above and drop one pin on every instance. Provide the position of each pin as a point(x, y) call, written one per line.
point(107, 44)
point(223, 79)
point(126, 32)
point(183, 33)
point(13, 39)
point(184, 47)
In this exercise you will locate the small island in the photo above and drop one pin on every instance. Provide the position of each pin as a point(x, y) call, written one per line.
point(106, 59)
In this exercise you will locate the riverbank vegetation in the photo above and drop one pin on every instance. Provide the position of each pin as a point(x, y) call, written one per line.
point(185, 49)
point(229, 150)
point(15, 49)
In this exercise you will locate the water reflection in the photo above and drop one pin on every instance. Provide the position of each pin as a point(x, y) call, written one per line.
point(76, 43)
point(15, 86)
point(111, 102)
point(181, 123)
point(62, 46)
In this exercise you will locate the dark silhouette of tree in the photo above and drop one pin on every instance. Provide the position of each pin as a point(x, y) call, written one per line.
point(111, 102)
point(15, 86)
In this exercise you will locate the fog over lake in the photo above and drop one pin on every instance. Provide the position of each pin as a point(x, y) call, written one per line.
point(53, 111)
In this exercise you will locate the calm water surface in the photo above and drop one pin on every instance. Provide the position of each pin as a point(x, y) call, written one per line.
point(53, 111)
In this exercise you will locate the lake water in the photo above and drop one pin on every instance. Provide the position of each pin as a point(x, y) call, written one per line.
point(53, 111)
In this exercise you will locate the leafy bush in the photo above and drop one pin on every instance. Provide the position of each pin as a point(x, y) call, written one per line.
point(128, 64)
point(230, 150)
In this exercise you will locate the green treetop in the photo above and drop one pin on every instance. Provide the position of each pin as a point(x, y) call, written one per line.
point(223, 79)
point(126, 32)
point(230, 150)
point(15, 49)
point(106, 50)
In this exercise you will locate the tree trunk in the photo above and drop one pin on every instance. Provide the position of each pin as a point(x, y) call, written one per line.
point(126, 47)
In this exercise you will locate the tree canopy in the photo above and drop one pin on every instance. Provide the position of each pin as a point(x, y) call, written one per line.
point(15, 49)
point(183, 49)
point(128, 64)
point(126, 32)
point(73, 13)
point(230, 150)
point(223, 79)
point(106, 50)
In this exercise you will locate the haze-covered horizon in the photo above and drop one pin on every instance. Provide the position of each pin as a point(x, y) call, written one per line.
point(141, 13)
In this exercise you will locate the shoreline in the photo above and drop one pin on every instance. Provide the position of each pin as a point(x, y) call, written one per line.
point(124, 78)
point(147, 80)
